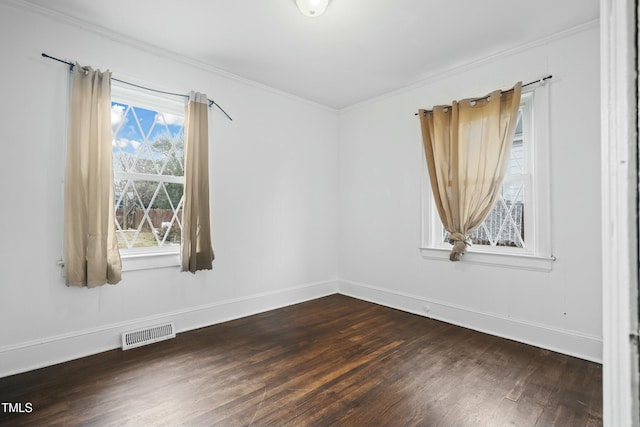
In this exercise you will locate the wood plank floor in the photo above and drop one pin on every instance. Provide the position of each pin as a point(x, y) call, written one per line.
point(331, 361)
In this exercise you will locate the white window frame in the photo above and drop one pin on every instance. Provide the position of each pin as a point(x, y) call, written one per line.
point(155, 257)
point(538, 253)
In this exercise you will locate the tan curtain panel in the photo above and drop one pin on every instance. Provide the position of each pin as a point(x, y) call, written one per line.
point(467, 147)
point(91, 256)
point(197, 251)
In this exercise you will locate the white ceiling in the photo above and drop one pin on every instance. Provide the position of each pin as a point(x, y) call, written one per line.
point(357, 50)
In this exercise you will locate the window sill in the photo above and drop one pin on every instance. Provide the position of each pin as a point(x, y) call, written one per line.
point(149, 260)
point(494, 259)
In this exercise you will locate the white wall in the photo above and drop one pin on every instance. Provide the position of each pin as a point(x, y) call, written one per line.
point(274, 199)
point(381, 164)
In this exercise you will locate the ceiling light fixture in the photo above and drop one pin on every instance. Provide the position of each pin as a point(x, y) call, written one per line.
point(312, 7)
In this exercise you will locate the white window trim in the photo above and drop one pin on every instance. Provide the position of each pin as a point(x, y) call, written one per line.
point(156, 257)
point(538, 256)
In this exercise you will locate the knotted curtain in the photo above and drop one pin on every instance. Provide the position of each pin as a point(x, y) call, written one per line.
point(467, 146)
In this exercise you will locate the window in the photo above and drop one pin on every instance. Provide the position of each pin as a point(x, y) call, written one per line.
point(518, 226)
point(148, 164)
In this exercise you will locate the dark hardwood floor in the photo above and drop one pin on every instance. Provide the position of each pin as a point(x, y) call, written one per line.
point(331, 361)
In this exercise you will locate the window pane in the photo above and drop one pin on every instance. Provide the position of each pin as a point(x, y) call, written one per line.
point(164, 219)
point(125, 214)
point(147, 144)
point(126, 141)
point(517, 159)
point(519, 125)
point(174, 192)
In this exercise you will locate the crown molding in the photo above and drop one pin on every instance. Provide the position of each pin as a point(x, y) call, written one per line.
point(158, 51)
point(212, 69)
point(445, 72)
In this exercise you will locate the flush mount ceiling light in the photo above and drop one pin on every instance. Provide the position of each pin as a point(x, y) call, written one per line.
point(312, 7)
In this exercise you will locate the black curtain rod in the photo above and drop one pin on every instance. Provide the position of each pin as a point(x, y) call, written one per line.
point(71, 65)
point(541, 81)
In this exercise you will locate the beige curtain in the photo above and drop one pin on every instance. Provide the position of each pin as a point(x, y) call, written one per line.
point(467, 147)
point(197, 251)
point(91, 254)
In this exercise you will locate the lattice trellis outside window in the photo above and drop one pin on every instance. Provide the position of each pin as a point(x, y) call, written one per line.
point(148, 162)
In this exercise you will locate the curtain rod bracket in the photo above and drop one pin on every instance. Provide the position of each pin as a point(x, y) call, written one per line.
point(212, 102)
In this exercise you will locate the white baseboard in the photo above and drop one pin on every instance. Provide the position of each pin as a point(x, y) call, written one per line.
point(568, 342)
point(23, 357)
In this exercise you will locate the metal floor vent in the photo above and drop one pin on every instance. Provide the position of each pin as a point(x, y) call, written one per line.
point(148, 335)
